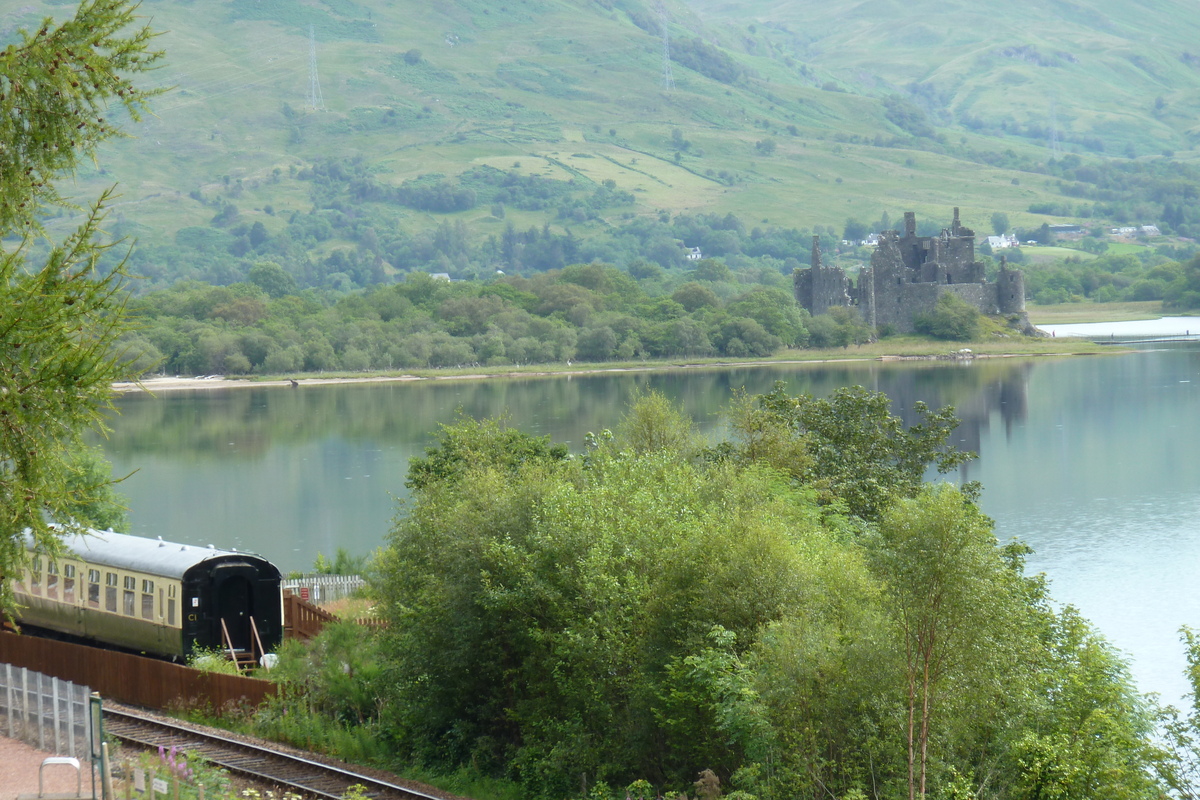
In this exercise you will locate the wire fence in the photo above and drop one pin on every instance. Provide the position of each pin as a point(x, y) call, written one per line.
point(45, 712)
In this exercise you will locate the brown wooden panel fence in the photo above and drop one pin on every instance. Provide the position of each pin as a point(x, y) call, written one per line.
point(132, 679)
point(302, 619)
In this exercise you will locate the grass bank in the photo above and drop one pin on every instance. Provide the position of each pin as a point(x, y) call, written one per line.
point(1066, 313)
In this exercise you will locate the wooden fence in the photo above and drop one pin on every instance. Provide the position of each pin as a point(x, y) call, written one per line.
point(133, 679)
point(301, 619)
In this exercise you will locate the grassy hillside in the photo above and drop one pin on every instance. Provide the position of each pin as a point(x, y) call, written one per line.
point(1114, 77)
point(779, 111)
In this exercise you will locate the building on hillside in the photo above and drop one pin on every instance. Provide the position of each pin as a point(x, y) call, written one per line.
point(693, 254)
point(908, 274)
point(1003, 240)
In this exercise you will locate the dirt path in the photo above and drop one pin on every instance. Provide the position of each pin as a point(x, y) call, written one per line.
point(19, 764)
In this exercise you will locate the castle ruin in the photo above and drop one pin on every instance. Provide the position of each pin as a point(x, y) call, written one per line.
point(907, 275)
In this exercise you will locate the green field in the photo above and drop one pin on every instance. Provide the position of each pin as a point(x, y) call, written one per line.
point(1064, 313)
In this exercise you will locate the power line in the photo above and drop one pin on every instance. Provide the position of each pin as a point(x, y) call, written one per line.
point(314, 85)
point(668, 82)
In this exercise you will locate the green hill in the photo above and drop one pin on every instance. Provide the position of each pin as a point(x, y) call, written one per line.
point(355, 114)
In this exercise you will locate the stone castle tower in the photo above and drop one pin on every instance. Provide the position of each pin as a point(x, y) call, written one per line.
point(908, 274)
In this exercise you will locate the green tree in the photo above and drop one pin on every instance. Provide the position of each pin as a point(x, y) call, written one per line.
point(272, 279)
point(60, 321)
point(952, 318)
point(536, 611)
point(999, 222)
point(1094, 736)
point(1184, 292)
point(861, 454)
point(854, 231)
point(654, 423)
point(470, 445)
point(950, 595)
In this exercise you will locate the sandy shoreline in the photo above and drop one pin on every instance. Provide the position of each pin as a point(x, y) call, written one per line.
point(155, 385)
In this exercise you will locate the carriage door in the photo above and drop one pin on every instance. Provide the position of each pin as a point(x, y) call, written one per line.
point(233, 599)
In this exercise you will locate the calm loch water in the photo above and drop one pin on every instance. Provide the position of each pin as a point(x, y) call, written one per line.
point(1093, 461)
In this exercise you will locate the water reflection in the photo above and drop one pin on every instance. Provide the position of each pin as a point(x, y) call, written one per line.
point(294, 472)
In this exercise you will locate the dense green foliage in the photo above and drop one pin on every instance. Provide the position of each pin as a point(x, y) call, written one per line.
point(589, 312)
point(1183, 292)
point(952, 318)
point(647, 611)
point(351, 238)
point(1151, 275)
point(60, 318)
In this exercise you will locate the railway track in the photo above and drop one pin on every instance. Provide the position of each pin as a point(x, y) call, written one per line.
point(294, 773)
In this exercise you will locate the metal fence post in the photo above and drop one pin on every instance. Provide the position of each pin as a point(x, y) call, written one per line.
point(97, 749)
point(54, 719)
point(8, 699)
point(71, 719)
point(25, 706)
point(40, 719)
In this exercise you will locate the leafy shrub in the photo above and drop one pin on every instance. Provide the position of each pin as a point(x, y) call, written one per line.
point(952, 318)
point(906, 116)
point(212, 661)
point(706, 59)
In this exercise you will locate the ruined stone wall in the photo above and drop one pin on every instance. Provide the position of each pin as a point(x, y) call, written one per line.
point(821, 288)
point(980, 295)
point(895, 306)
point(907, 275)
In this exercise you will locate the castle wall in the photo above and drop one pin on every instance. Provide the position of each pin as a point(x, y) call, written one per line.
point(907, 276)
point(895, 308)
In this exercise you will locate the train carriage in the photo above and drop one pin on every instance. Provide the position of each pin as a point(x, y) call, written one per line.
point(153, 596)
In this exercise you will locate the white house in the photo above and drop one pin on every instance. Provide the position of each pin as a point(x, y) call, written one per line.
point(694, 254)
point(1002, 241)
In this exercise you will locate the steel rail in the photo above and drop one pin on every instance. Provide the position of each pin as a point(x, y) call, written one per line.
point(303, 775)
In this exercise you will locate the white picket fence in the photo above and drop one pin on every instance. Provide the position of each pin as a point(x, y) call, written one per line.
point(324, 588)
point(45, 713)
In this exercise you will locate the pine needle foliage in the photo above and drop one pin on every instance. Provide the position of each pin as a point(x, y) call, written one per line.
point(61, 319)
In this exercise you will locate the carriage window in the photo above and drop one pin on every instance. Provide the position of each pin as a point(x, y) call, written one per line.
point(110, 592)
point(69, 583)
point(170, 605)
point(93, 600)
point(35, 576)
point(52, 580)
point(130, 595)
point(147, 599)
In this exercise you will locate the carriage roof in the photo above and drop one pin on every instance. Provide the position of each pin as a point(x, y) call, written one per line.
point(153, 556)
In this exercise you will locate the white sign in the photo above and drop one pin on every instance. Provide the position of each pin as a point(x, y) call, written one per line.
point(139, 780)
point(160, 786)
